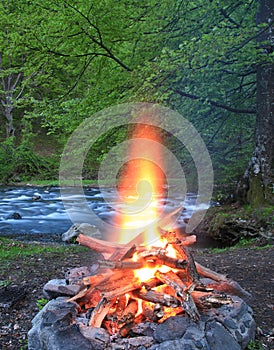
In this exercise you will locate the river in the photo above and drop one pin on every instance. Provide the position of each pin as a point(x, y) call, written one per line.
point(27, 212)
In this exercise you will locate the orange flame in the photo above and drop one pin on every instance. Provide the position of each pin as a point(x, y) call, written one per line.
point(141, 188)
point(142, 182)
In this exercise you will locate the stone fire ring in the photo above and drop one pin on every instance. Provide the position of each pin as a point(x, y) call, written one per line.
point(56, 327)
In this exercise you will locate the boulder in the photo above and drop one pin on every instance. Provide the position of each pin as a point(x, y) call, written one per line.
point(54, 328)
point(15, 216)
point(84, 228)
point(58, 287)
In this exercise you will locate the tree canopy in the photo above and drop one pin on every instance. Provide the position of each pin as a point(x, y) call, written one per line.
point(63, 61)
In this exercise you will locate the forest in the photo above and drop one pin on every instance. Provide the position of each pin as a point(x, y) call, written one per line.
point(212, 61)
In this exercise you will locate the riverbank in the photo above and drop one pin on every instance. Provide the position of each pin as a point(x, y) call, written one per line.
point(29, 266)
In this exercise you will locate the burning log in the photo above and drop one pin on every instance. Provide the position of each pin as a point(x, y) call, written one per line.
point(100, 312)
point(175, 291)
point(151, 283)
point(159, 257)
point(100, 246)
point(123, 253)
point(121, 305)
point(120, 264)
point(209, 300)
point(97, 279)
point(173, 238)
point(181, 291)
point(128, 314)
point(156, 298)
point(91, 298)
point(119, 289)
point(192, 274)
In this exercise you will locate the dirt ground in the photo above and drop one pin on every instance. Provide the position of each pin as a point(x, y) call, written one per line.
point(251, 267)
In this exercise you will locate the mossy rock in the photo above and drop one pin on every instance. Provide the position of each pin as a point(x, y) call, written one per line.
point(228, 224)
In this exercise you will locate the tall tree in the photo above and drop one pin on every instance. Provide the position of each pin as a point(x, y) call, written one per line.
point(12, 60)
point(258, 178)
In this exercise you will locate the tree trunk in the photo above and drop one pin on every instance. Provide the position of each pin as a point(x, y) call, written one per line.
point(257, 187)
point(9, 117)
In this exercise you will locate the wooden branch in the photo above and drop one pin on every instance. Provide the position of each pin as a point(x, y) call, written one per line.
point(96, 279)
point(100, 312)
point(121, 264)
point(157, 298)
point(206, 272)
point(129, 313)
point(151, 252)
point(123, 253)
point(192, 274)
point(209, 300)
point(121, 289)
point(182, 250)
point(230, 287)
point(81, 294)
point(159, 257)
point(151, 283)
point(185, 297)
point(214, 103)
point(99, 245)
point(173, 238)
point(171, 262)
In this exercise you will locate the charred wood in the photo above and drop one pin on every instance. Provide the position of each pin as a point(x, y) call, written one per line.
point(209, 300)
point(100, 312)
point(185, 297)
point(157, 298)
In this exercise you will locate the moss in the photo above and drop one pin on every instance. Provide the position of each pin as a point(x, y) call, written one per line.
point(255, 194)
point(230, 223)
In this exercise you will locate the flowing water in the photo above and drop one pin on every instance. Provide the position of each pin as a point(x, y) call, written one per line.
point(39, 212)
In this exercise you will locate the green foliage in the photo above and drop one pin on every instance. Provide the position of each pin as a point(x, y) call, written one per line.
point(41, 303)
point(77, 58)
point(4, 283)
point(20, 163)
point(254, 345)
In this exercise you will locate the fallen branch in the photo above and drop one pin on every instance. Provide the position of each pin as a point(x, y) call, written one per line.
point(206, 272)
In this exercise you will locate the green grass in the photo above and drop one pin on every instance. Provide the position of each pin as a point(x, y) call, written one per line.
point(243, 243)
point(12, 249)
point(41, 303)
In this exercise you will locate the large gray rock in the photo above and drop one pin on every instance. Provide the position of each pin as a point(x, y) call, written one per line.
point(54, 328)
point(173, 328)
point(228, 327)
point(219, 338)
point(84, 228)
point(58, 287)
point(59, 327)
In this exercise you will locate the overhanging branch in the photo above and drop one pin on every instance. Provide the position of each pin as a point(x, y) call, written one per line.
point(214, 103)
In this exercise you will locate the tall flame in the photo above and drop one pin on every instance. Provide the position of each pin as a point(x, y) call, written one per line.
point(141, 189)
point(141, 185)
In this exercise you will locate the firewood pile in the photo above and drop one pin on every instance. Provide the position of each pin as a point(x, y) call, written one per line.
point(137, 283)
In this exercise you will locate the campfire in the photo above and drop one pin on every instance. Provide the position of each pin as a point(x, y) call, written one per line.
point(145, 288)
point(155, 279)
point(137, 283)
